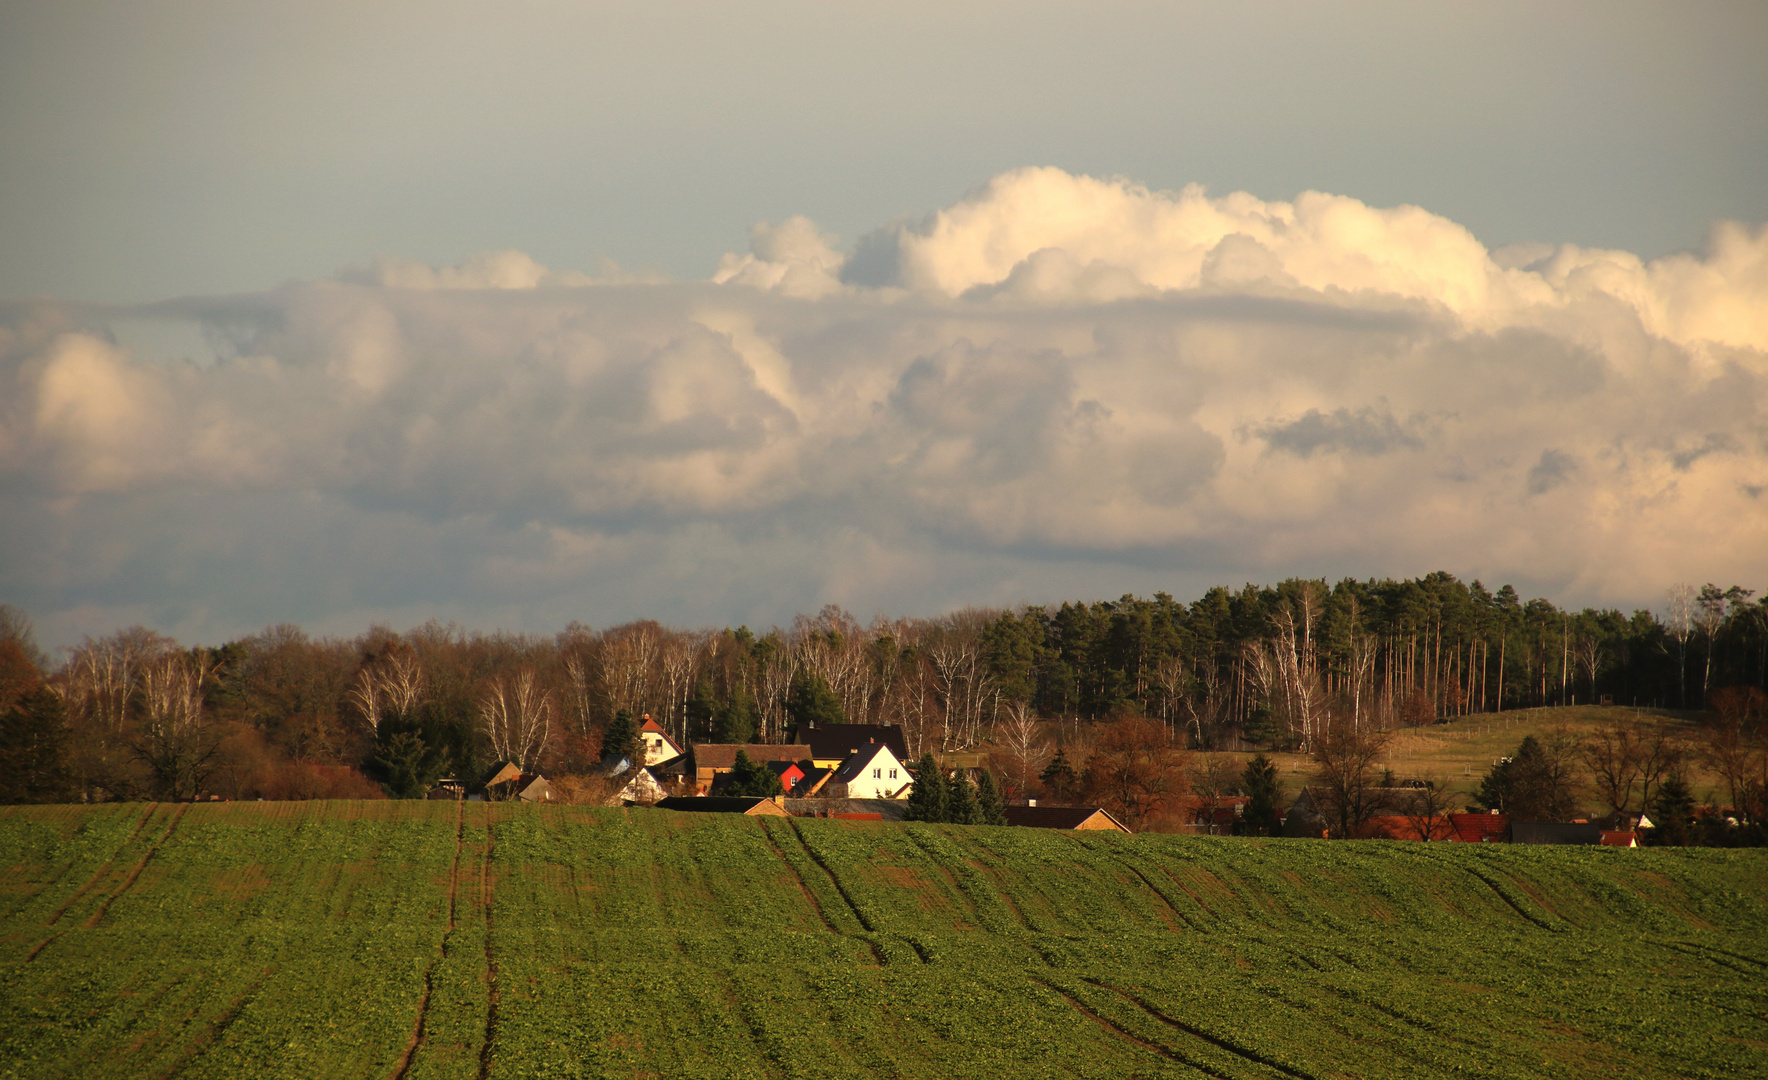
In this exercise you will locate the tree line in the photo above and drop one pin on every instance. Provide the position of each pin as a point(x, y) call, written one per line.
point(283, 714)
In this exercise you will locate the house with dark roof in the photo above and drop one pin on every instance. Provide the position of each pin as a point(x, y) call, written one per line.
point(710, 759)
point(832, 744)
point(751, 805)
point(1085, 818)
point(871, 772)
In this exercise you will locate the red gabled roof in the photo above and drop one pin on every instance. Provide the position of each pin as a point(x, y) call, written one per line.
point(657, 729)
point(1619, 839)
point(1479, 828)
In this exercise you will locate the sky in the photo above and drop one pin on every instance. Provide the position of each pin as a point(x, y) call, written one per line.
point(524, 313)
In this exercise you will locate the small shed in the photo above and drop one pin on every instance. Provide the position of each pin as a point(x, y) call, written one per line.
point(447, 788)
point(751, 805)
point(537, 790)
point(1086, 818)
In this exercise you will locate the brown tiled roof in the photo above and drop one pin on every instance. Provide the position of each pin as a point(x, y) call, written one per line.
point(724, 755)
point(1054, 817)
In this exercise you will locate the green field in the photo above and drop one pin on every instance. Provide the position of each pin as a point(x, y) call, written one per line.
point(461, 940)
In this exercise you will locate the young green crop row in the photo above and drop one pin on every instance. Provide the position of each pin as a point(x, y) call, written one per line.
point(464, 940)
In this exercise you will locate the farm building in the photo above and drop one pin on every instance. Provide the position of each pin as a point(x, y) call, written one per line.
point(1089, 818)
point(1409, 827)
point(1479, 828)
point(447, 788)
point(1619, 838)
point(1555, 832)
point(754, 806)
point(711, 759)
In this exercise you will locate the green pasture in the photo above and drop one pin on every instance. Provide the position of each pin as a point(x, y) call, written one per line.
point(388, 939)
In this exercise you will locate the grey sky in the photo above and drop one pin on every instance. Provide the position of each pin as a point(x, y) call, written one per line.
point(169, 148)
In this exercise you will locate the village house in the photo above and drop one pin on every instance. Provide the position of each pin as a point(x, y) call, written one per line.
point(659, 747)
point(871, 772)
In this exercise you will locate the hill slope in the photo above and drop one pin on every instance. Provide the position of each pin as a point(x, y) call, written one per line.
point(448, 940)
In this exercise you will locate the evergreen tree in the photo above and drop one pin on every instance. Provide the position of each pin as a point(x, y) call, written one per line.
point(810, 702)
point(33, 749)
point(752, 778)
point(1259, 781)
point(991, 807)
point(1058, 776)
point(703, 711)
point(620, 739)
point(402, 764)
point(960, 801)
point(927, 800)
point(738, 719)
point(1672, 812)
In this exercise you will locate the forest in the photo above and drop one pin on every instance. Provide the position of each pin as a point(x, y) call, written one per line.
point(283, 714)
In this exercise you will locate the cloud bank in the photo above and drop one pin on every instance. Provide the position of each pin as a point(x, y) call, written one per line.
point(1057, 386)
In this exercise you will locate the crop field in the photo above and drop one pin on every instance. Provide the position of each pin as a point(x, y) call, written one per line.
point(429, 940)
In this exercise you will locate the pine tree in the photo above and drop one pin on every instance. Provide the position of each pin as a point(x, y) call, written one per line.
point(1058, 775)
point(737, 720)
point(1259, 781)
point(810, 702)
point(33, 749)
point(990, 805)
point(927, 799)
point(1673, 812)
point(620, 739)
point(960, 801)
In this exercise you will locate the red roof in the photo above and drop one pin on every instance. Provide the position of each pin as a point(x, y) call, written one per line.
point(1479, 828)
point(1404, 827)
point(1619, 839)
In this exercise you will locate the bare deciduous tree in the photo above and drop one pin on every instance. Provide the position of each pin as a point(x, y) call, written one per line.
point(516, 716)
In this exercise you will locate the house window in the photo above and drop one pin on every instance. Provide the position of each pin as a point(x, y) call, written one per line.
point(877, 774)
point(893, 774)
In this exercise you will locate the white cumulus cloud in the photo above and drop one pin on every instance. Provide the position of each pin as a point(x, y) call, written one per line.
point(1058, 385)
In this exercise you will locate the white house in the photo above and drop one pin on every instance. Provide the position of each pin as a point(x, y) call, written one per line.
point(871, 772)
point(659, 746)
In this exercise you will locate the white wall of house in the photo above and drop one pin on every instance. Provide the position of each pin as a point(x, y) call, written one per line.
point(884, 778)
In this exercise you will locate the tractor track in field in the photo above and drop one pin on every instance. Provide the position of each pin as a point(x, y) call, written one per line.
point(1198, 1033)
point(134, 874)
point(1126, 1034)
point(421, 1032)
point(104, 867)
point(817, 905)
point(486, 889)
point(841, 891)
point(219, 1028)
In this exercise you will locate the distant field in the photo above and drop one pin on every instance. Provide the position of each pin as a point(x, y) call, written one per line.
point(464, 940)
point(1462, 751)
